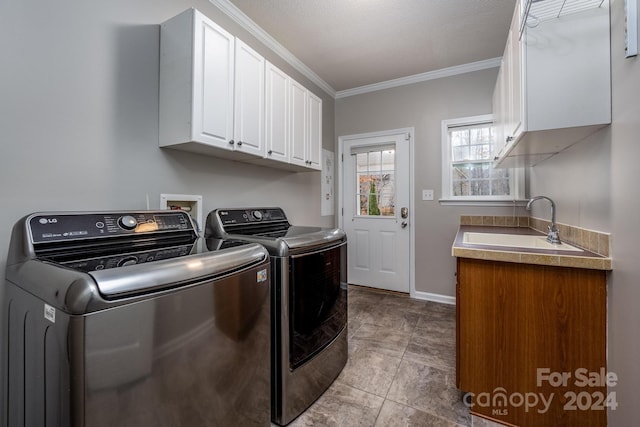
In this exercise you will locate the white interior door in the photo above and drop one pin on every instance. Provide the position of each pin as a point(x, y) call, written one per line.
point(376, 201)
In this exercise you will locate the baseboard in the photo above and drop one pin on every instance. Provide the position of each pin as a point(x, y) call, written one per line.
point(443, 299)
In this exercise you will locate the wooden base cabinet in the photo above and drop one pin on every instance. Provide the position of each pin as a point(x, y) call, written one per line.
point(531, 343)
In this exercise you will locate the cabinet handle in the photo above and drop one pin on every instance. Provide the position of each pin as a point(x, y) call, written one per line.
point(239, 142)
point(509, 138)
point(231, 142)
point(270, 152)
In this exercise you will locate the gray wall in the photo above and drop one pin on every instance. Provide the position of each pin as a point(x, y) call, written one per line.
point(79, 117)
point(423, 106)
point(595, 187)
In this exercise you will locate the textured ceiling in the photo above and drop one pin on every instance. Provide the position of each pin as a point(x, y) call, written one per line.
point(352, 43)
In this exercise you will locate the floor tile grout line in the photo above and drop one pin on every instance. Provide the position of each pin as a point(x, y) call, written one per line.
point(424, 317)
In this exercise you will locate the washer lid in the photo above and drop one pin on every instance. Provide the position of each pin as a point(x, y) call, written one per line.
point(144, 278)
point(303, 240)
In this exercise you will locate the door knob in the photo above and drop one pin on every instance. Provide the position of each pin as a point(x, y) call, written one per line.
point(403, 224)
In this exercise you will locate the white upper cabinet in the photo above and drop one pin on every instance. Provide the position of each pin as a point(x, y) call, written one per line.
point(314, 128)
point(498, 105)
point(277, 114)
point(293, 122)
point(220, 97)
point(196, 84)
point(306, 127)
point(298, 124)
point(248, 129)
point(554, 85)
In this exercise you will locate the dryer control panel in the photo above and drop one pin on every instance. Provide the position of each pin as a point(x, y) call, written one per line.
point(250, 215)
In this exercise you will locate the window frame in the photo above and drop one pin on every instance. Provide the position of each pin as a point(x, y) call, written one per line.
point(516, 175)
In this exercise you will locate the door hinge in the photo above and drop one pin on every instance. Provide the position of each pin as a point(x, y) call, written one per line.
point(408, 136)
point(342, 212)
point(342, 157)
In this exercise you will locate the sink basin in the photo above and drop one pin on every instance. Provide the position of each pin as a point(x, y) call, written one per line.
point(515, 241)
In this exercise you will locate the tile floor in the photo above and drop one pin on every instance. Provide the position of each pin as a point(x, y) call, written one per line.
point(401, 368)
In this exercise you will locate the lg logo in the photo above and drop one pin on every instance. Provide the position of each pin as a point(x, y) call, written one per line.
point(44, 221)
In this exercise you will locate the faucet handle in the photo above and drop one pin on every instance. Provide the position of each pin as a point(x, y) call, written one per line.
point(553, 236)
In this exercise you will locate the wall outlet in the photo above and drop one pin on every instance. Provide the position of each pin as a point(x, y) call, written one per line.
point(427, 194)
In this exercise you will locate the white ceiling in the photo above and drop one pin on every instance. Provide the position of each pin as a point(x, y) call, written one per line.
point(353, 43)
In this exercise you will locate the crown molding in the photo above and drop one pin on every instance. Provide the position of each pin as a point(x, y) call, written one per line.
point(247, 23)
point(255, 30)
point(422, 77)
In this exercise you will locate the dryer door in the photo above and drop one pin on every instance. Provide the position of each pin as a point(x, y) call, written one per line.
point(318, 301)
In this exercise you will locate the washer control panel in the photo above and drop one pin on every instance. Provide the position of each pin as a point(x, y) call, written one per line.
point(131, 258)
point(65, 227)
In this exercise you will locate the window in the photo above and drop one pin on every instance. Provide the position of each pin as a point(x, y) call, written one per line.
point(375, 168)
point(468, 146)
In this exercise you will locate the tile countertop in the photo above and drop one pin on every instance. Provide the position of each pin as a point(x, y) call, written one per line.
point(583, 259)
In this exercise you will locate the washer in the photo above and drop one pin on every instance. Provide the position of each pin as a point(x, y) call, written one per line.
point(309, 302)
point(129, 319)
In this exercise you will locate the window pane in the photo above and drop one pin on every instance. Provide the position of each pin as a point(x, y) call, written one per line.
point(500, 173)
point(479, 171)
point(500, 187)
point(374, 192)
point(461, 153)
point(485, 170)
point(375, 161)
point(389, 160)
point(480, 152)
point(364, 183)
point(460, 188)
point(461, 172)
point(364, 204)
point(480, 187)
point(387, 191)
point(374, 183)
point(459, 137)
point(361, 162)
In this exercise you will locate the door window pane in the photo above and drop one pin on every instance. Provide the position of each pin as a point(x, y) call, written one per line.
point(376, 183)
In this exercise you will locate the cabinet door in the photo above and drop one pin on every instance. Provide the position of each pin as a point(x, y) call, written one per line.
point(277, 114)
point(498, 115)
point(515, 320)
point(491, 345)
point(314, 140)
point(213, 75)
point(507, 96)
point(249, 100)
point(507, 75)
point(515, 73)
point(298, 124)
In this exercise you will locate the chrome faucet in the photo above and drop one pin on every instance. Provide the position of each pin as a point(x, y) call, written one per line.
point(553, 234)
